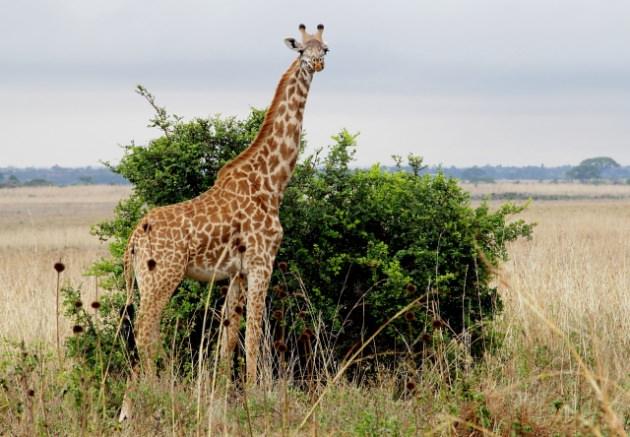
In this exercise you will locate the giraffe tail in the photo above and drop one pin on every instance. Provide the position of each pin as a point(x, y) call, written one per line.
point(127, 312)
point(128, 267)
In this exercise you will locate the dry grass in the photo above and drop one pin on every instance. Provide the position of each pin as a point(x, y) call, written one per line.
point(567, 294)
point(39, 226)
point(563, 367)
point(577, 272)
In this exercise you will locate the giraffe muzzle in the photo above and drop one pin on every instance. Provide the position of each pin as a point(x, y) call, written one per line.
point(318, 65)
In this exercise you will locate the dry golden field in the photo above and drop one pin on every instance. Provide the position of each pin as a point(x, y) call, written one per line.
point(39, 226)
point(563, 368)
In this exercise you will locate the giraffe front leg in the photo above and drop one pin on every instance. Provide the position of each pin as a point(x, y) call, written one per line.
point(234, 308)
point(257, 284)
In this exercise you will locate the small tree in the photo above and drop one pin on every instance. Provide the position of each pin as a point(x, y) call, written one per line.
point(591, 168)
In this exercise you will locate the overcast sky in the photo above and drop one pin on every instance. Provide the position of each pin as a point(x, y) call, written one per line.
point(460, 82)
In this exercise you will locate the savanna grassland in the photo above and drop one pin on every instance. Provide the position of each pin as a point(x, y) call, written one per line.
point(39, 226)
point(561, 365)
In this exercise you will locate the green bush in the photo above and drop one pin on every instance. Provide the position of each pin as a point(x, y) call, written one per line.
point(359, 244)
point(367, 242)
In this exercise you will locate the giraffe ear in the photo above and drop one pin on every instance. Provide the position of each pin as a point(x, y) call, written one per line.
point(293, 44)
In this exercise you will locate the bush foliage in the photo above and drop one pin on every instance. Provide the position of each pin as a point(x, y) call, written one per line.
point(359, 244)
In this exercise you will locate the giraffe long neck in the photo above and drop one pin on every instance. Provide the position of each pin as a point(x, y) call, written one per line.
point(273, 154)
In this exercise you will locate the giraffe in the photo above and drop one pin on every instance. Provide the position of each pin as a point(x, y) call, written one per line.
point(232, 231)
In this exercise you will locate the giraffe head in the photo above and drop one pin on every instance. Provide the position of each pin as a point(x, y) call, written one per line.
point(312, 49)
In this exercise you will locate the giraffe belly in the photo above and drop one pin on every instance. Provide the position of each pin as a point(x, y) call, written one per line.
point(206, 274)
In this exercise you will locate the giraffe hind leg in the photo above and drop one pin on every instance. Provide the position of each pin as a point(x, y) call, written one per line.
point(153, 300)
point(233, 313)
point(155, 292)
point(257, 284)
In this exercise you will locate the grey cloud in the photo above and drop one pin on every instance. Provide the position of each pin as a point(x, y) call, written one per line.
point(553, 75)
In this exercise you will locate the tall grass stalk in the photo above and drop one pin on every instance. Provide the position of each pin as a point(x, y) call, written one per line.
point(201, 355)
point(610, 416)
point(349, 362)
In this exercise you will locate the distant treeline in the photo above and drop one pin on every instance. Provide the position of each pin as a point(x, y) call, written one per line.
point(541, 173)
point(61, 176)
point(500, 172)
point(31, 176)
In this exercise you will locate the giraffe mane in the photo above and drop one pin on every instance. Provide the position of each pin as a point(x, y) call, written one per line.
point(267, 124)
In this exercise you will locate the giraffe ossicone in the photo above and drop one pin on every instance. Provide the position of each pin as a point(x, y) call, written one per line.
point(232, 231)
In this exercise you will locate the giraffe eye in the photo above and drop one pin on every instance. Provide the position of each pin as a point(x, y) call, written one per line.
point(326, 50)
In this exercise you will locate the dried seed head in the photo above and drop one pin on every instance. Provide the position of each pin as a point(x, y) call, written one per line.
point(78, 304)
point(77, 329)
point(411, 385)
point(59, 267)
point(308, 332)
point(238, 309)
point(426, 337)
point(283, 266)
point(410, 288)
point(30, 392)
point(278, 315)
point(280, 346)
point(410, 316)
point(226, 322)
point(96, 304)
point(437, 324)
point(280, 291)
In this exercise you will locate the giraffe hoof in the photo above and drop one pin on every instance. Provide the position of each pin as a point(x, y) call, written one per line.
point(125, 411)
